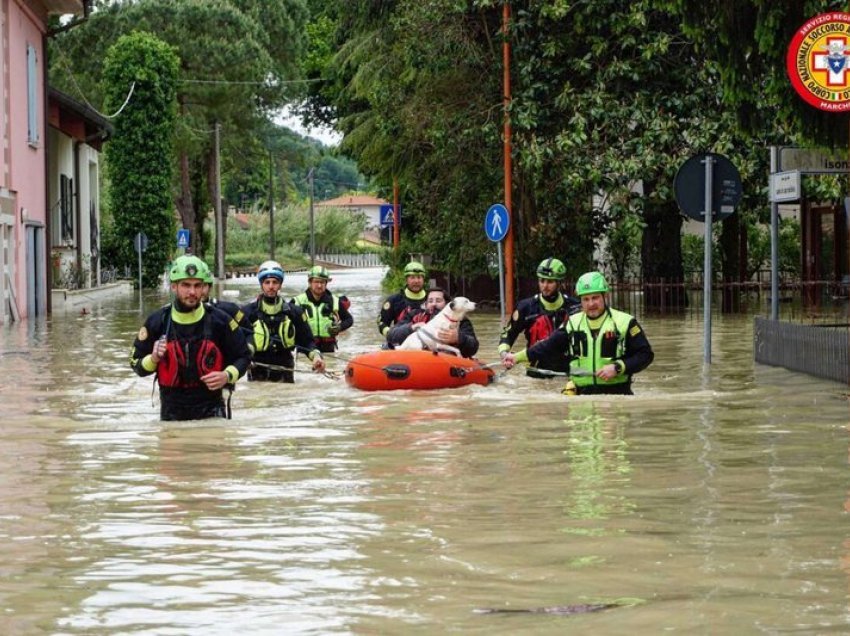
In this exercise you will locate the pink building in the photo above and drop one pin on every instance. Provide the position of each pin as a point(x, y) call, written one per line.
point(24, 217)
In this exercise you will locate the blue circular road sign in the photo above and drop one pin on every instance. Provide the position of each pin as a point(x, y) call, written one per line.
point(497, 222)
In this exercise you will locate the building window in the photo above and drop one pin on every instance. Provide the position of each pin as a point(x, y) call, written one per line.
point(32, 95)
point(66, 208)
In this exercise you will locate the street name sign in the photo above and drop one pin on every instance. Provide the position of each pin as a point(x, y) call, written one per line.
point(785, 186)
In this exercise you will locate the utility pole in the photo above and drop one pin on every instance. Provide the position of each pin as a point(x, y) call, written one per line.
point(396, 215)
point(312, 221)
point(506, 79)
point(271, 206)
point(219, 220)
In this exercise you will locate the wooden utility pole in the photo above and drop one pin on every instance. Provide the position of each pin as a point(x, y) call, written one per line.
point(396, 215)
point(509, 238)
point(312, 221)
point(219, 219)
point(271, 206)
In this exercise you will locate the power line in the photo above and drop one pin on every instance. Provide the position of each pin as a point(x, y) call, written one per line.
point(249, 82)
point(82, 95)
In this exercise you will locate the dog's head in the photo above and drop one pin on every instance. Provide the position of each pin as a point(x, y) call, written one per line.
point(459, 307)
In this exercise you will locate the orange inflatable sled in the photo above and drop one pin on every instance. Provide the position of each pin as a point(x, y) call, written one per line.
point(394, 369)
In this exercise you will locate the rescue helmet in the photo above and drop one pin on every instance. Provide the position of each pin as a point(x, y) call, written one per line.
point(187, 266)
point(591, 283)
point(317, 271)
point(414, 268)
point(270, 269)
point(208, 277)
point(551, 269)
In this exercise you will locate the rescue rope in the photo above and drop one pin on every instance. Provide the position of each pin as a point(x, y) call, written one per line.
point(333, 375)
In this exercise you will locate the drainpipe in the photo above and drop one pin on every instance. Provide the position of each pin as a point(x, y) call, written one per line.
point(78, 248)
point(48, 241)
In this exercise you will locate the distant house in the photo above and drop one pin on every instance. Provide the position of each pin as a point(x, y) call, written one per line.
point(24, 205)
point(242, 220)
point(369, 206)
point(75, 138)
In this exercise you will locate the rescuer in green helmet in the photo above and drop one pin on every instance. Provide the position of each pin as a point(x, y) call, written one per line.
point(327, 313)
point(194, 350)
point(538, 316)
point(234, 310)
point(606, 347)
point(407, 301)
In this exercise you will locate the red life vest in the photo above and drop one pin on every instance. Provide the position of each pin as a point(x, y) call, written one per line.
point(540, 329)
point(187, 360)
point(404, 313)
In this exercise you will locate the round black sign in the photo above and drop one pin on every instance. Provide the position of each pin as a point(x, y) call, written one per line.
point(726, 188)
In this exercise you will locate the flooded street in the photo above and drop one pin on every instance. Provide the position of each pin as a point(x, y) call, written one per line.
point(713, 501)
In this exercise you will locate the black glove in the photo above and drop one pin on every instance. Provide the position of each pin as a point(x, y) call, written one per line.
point(333, 330)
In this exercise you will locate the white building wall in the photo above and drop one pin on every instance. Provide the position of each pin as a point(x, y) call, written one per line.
point(68, 253)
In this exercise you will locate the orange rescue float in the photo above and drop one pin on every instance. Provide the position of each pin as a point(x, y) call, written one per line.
point(393, 369)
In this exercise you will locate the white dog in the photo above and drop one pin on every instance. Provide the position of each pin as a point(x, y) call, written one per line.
point(427, 336)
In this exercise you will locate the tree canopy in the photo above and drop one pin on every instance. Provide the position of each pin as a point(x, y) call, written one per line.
point(139, 154)
point(608, 101)
point(238, 60)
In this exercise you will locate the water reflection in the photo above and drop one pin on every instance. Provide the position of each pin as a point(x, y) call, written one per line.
point(715, 496)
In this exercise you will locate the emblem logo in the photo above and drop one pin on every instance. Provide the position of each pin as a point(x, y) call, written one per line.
point(817, 61)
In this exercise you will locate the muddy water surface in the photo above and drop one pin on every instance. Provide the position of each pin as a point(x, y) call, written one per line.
point(714, 501)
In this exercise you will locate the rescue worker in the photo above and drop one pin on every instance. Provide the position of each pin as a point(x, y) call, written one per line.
point(606, 347)
point(279, 328)
point(194, 351)
point(540, 315)
point(408, 300)
point(463, 337)
point(234, 310)
point(326, 312)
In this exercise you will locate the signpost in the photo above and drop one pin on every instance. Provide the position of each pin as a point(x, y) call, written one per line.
point(182, 239)
point(695, 177)
point(388, 216)
point(705, 186)
point(140, 243)
point(785, 186)
point(497, 222)
point(811, 161)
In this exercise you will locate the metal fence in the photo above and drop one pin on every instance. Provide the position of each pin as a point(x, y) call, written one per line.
point(351, 260)
point(805, 301)
point(819, 350)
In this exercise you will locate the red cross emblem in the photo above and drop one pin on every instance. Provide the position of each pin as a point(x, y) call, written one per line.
point(833, 62)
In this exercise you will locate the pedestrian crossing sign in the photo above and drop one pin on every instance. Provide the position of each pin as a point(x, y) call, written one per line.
point(387, 217)
point(182, 238)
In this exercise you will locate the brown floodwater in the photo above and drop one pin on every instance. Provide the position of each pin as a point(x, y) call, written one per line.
point(715, 500)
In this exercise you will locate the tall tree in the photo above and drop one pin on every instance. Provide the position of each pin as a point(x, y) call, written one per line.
point(140, 152)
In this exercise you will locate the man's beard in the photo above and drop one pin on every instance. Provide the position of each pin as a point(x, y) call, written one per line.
point(182, 307)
